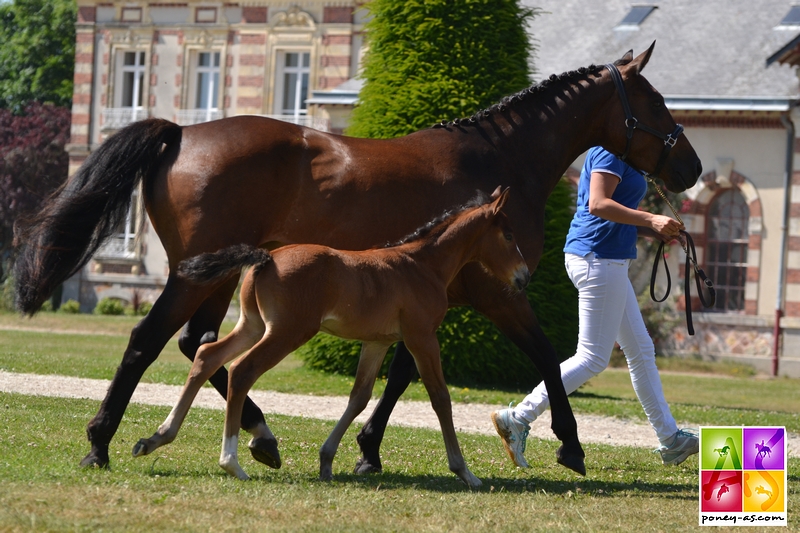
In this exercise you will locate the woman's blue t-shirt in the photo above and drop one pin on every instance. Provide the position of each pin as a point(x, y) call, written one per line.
point(589, 233)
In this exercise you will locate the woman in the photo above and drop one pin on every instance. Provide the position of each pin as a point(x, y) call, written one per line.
point(600, 245)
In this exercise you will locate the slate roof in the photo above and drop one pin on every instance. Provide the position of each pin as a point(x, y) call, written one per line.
point(716, 49)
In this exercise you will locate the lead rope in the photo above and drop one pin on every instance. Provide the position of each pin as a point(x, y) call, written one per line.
point(691, 262)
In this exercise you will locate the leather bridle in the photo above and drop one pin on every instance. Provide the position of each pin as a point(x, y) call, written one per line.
point(632, 124)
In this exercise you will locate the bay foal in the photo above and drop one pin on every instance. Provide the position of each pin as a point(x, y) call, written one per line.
point(378, 296)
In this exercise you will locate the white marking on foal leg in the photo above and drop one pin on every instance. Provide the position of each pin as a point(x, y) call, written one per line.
point(229, 459)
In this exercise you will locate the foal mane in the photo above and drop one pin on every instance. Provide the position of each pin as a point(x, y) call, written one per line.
point(534, 91)
point(480, 198)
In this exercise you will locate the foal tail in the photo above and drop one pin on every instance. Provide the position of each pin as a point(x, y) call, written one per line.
point(74, 222)
point(209, 267)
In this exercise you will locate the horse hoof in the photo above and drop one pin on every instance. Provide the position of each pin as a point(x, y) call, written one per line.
point(95, 459)
point(365, 467)
point(140, 448)
point(265, 451)
point(573, 462)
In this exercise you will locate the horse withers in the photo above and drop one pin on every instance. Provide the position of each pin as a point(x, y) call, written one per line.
point(378, 296)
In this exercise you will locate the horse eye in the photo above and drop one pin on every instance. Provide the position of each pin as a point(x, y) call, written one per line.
point(509, 237)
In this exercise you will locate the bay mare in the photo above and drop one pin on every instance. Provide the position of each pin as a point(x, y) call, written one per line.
point(267, 183)
point(378, 296)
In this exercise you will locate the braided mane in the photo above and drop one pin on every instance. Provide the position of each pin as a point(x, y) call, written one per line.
point(524, 94)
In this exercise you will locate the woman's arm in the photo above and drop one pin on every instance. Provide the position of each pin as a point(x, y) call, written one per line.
point(602, 186)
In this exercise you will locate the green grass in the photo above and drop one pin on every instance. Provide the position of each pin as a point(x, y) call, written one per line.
point(180, 487)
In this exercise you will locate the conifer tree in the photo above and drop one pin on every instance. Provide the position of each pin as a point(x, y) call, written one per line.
point(434, 60)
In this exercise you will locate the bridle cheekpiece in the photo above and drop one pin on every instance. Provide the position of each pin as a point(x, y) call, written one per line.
point(632, 124)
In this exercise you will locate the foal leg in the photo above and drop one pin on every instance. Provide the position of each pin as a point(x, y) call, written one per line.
point(210, 358)
point(369, 364)
point(426, 353)
point(203, 328)
point(401, 372)
point(268, 352)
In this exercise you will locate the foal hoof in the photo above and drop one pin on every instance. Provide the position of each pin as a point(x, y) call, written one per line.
point(363, 466)
point(140, 448)
point(265, 451)
point(572, 461)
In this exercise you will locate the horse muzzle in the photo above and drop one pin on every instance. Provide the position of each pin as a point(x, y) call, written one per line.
point(522, 277)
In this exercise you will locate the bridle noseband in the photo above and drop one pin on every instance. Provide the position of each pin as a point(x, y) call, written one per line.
point(631, 124)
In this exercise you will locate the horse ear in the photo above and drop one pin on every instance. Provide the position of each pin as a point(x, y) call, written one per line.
point(624, 60)
point(498, 204)
point(640, 62)
point(496, 194)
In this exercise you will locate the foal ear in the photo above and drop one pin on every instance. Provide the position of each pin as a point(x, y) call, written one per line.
point(500, 201)
point(640, 62)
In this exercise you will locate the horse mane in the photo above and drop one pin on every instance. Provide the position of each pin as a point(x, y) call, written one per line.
point(534, 91)
point(480, 198)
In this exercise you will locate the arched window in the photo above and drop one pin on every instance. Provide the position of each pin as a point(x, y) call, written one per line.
point(726, 252)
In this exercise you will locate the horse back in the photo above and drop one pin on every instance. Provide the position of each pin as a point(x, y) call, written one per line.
point(354, 295)
point(269, 183)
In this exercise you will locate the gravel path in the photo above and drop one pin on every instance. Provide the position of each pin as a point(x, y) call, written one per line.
point(470, 418)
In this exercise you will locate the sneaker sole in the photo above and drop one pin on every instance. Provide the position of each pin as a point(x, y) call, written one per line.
point(681, 458)
point(504, 436)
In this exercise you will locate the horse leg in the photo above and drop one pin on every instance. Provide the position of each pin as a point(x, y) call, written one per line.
point(426, 354)
point(203, 328)
point(401, 372)
point(516, 319)
point(209, 359)
point(369, 363)
point(148, 338)
point(268, 352)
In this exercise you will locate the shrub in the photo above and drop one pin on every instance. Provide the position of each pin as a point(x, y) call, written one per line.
point(144, 308)
point(109, 306)
point(70, 307)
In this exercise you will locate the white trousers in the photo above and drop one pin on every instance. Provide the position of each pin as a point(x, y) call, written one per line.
point(608, 313)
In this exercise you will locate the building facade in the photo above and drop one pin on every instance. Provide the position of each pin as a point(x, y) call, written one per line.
point(191, 62)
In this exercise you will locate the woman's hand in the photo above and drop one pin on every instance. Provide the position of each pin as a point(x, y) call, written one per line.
point(666, 228)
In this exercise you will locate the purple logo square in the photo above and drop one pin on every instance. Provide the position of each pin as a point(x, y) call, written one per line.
point(764, 448)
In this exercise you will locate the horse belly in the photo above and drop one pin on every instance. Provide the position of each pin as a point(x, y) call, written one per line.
point(362, 328)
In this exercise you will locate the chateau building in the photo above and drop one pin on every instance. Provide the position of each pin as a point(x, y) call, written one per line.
point(191, 62)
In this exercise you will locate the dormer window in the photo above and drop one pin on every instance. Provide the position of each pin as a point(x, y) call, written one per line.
point(636, 16)
point(792, 18)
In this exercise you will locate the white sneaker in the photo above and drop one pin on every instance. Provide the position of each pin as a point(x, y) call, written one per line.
point(683, 445)
point(513, 433)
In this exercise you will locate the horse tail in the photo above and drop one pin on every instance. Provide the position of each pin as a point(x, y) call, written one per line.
point(82, 214)
point(210, 267)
